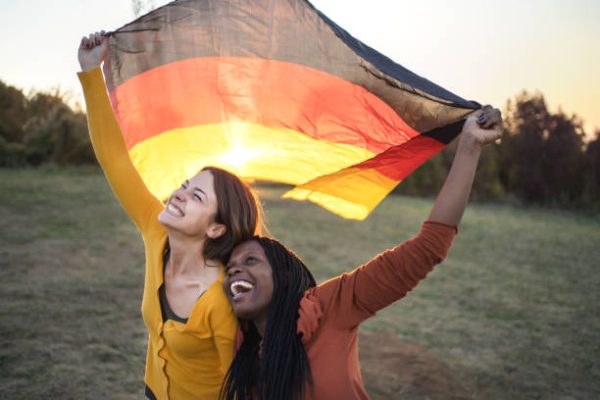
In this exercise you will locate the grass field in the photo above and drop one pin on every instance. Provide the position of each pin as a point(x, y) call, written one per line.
point(513, 313)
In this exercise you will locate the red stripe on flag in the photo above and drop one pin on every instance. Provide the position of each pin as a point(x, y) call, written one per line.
point(276, 94)
point(400, 161)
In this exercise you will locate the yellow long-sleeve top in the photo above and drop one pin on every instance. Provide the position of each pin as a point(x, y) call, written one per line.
point(184, 360)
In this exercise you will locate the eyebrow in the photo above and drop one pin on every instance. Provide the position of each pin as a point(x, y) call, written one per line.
point(232, 263)
point(200, 190)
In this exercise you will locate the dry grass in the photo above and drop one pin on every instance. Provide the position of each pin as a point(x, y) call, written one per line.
point(512, 313)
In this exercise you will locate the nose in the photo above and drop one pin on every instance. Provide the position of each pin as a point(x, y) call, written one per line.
point(179, 195)
point(232, 271)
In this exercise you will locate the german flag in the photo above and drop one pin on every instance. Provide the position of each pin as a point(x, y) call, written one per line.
point(272, 90)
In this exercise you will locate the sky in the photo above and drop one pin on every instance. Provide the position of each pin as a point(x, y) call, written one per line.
point(483, 50)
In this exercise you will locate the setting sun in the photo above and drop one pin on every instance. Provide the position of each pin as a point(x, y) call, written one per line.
point(238, 156)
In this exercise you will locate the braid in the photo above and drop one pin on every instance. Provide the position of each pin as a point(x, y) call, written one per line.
point(282, 370)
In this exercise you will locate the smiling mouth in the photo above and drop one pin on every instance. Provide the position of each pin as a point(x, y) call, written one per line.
point(174, 210)
point(239, 288)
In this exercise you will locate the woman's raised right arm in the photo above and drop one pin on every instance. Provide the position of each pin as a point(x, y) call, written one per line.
point(107, 140)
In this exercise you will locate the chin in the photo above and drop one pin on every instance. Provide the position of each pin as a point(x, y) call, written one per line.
point(163, 218)
point(244, 313)
point(167, 221)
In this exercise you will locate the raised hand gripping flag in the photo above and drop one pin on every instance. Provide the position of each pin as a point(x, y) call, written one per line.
point(272, 90)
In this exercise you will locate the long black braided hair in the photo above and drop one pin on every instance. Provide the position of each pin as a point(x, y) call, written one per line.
point(279, 368)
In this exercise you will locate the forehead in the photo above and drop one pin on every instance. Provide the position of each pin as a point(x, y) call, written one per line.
point(204, 180)
point(245, 248)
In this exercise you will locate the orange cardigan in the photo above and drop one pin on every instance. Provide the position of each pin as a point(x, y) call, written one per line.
point(331, 313)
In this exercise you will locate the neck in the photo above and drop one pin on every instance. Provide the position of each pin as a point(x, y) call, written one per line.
point(261, 326)
point(186, 254)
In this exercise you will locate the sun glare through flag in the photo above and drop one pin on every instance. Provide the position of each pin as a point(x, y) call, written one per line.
point(272, 90)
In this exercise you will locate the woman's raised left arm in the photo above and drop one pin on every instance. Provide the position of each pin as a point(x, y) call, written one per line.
point(386, 278)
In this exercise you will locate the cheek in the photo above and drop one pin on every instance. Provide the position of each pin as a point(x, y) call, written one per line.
point(199, 214)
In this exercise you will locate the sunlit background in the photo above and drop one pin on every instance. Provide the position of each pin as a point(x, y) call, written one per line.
point(482, 50)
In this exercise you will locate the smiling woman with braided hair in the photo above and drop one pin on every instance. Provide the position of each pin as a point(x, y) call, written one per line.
point(300, 340)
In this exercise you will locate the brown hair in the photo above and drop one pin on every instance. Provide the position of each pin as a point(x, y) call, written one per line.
point(238, 209)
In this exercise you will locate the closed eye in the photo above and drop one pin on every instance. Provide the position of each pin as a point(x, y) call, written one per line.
point(197, 196)
point(200, 194)
point(251, 260)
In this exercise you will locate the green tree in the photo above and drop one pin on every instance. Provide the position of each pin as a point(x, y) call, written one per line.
point(522, 151)
point(13, 113)
point(426, 180)
point(564, 159)
point(592, 172)
point(41, 129)
point(542, 153)
point(56, 133)
point(487, 185)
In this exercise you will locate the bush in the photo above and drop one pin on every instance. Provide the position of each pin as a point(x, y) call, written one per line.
point(41, 129)
point(11, 154)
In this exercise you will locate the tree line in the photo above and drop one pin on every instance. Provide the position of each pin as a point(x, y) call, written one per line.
point(40, 129)
point(542, 158)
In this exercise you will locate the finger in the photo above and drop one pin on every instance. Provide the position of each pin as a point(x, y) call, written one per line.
point(495, 117)
point(86, 43)
point(492, 121)
point(491, 114)
point(488, 124)
point(103, 37)
point(90, 41)
point(481, 118)
point(496, 113)
point(495, 125)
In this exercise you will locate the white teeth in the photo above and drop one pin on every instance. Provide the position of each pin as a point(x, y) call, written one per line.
point(239, 287)
point(174, 210)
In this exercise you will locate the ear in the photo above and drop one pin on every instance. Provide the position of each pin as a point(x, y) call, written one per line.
point(216, 230)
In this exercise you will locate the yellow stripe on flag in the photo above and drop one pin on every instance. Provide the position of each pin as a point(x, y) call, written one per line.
point(351, 193)
point(166, 160)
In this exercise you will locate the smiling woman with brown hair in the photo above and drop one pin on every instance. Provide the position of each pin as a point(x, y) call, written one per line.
point(300, 340)
point(190, 322)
